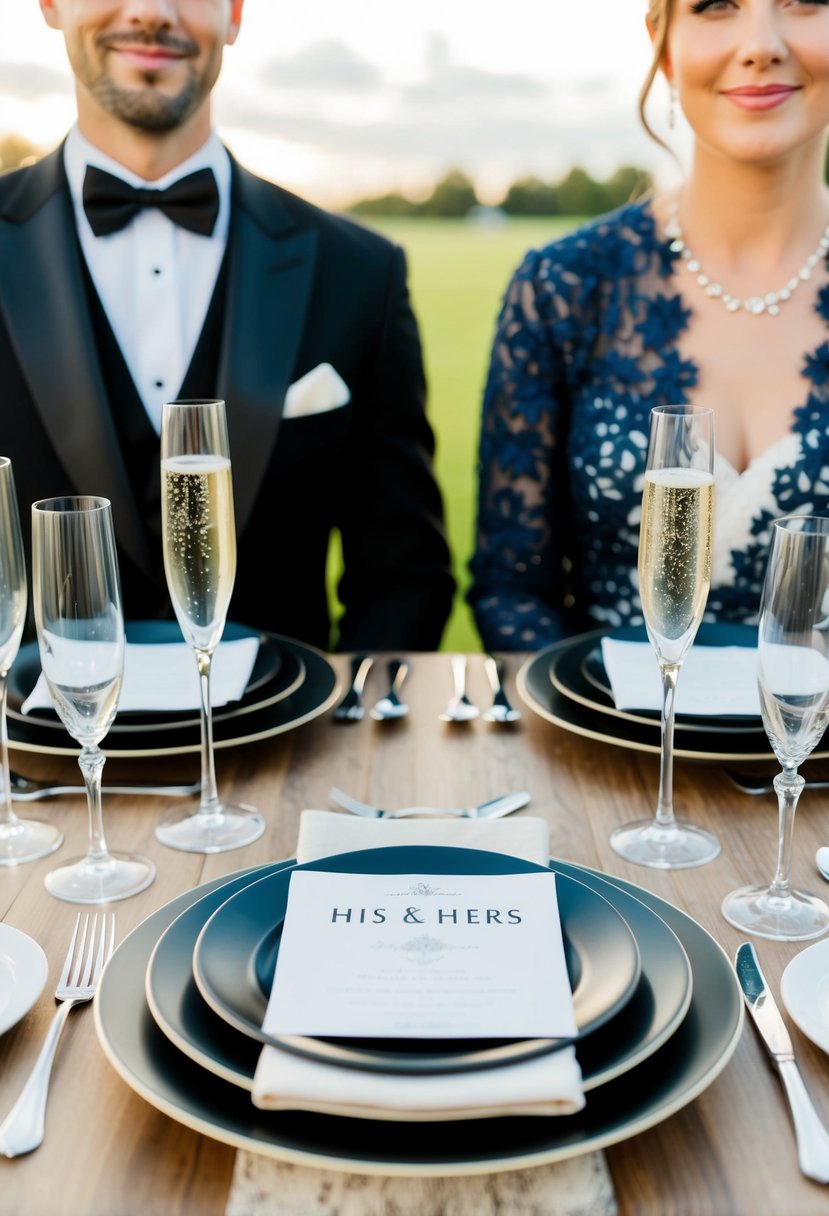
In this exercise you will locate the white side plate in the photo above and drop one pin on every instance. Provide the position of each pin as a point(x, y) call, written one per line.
point(23, 971)
point(805, 992)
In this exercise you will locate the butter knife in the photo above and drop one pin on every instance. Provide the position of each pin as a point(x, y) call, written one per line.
point(811, 1136)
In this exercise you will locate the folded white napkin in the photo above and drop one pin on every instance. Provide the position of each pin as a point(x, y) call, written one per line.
point(165, 677)
point(714, 680)
point(318, 391)
point(547, 1085)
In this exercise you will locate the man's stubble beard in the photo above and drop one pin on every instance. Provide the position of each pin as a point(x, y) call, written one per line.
point(147, 109)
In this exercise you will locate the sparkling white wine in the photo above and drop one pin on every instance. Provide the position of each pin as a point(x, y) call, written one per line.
point(199, 543)
point(675, 556)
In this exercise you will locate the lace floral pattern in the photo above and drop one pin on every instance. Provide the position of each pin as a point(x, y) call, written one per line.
point(586, 346)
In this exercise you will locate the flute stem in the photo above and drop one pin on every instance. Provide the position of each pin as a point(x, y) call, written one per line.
point(665, 799)
point(209, 791)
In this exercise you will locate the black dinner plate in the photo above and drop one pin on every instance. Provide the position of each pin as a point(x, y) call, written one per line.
point(663, 1084)
point(539, 694)
point(658, 1005)
point(276, 674)
point(235, 958)
point(316, 693)
point(578, 672)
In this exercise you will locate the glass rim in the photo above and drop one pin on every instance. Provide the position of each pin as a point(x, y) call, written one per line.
point(785, 523)
point(193, 401)
point(63, 503)
point(680, 411)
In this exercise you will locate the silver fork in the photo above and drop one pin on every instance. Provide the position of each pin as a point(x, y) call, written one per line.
point(495, 808)
point(748, 783)
point(27, 789)
point(22, 1129)
point(350, 709)
point(390, 707)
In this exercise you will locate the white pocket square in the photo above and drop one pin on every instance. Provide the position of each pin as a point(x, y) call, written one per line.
point(316, 392)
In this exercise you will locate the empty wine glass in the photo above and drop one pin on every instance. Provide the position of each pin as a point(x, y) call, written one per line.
point(793, 681)
point(80, 632)
point(675, 539)
point(20, 839)
point(199, 541)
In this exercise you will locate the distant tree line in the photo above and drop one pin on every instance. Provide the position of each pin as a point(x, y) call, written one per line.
point(454, 196)
point(577, 193)
point(16, 151)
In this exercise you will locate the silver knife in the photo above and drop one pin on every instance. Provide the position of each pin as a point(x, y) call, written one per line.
point(811, 1136)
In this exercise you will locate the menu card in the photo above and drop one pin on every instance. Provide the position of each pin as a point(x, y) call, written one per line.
point(421, 956)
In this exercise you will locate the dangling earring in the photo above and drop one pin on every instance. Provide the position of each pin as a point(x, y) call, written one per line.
point(672, 100)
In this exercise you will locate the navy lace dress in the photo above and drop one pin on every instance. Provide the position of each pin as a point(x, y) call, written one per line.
point(586, 345)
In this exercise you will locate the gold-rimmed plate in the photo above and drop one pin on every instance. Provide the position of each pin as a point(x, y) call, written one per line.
point(538, 693)
point(671, 1077)
point(578, 672)
point(646, 1022)
point(235, 958)
point(276, 674)
point(316, 693)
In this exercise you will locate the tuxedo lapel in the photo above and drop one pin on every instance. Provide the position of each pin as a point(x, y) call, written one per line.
point(270, 271)
point(43, 301)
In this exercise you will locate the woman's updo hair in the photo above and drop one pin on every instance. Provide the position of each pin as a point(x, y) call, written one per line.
point(659, 15)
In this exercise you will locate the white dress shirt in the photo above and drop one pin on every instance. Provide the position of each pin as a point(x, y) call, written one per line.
point(154, 278)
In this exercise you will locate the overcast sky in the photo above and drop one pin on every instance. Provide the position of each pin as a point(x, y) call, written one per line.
point(340, 99)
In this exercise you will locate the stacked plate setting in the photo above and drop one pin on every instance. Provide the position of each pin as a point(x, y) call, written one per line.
point(567, 684)
point(180, 1007)
point(291, 683)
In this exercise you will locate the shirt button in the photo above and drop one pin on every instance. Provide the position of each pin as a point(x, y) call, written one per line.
point(159, 383)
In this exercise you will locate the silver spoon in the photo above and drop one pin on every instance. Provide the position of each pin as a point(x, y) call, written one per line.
point(822, 861)
point(460, 708)
point(500, 710)
point(390, 706)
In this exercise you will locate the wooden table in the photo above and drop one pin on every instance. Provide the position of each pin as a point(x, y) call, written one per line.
point(107, 1152)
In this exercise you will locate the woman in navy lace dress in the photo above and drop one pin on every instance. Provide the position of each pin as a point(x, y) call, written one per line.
point(717, 294)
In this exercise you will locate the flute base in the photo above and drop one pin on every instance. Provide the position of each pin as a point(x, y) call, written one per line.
point(26, 840)
point(794, 917)
point(100, 880)
point(678, 847)
point(215, 830)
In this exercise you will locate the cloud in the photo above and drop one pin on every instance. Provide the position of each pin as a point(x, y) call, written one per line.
point(452, 115)
point(328, 64)
point(33, 81)
point(447, 83)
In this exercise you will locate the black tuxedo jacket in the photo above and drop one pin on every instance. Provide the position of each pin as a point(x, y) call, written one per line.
point(302, 287)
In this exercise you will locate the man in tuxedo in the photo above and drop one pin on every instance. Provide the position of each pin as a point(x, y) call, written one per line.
point(116, 297)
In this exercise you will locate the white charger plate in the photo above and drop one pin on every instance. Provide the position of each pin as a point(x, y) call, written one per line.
point(805, 992)
point(23, 971)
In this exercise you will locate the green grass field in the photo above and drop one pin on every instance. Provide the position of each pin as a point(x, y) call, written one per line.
point(458, 272)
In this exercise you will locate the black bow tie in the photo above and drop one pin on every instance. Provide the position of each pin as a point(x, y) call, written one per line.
point(110, 203)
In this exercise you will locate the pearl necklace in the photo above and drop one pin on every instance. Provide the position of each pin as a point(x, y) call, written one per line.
point(755, 305)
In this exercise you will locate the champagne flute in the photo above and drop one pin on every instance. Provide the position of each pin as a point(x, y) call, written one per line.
point(793, 682)
point(20, 839)
point(199, 539)
point(675, 541)
point(80, 634)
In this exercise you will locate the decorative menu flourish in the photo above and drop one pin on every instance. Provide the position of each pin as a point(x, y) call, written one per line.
point(421, 956)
